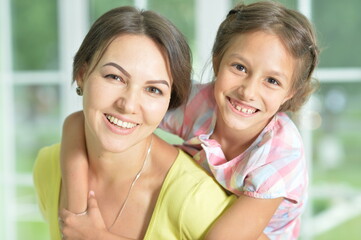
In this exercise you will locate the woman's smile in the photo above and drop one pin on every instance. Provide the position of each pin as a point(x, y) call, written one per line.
point(126, 94)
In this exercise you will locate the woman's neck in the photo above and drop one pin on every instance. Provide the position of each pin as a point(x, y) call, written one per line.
point(115, 166)
point(143, 194)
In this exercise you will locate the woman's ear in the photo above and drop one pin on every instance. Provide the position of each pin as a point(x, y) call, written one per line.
point(81, 75)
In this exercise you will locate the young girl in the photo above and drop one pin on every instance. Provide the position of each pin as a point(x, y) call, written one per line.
point(235, 127)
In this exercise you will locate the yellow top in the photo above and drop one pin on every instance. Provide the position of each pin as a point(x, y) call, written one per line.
point(188, 203)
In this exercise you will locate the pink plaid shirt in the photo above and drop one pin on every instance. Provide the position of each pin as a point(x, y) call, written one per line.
point(273, 166)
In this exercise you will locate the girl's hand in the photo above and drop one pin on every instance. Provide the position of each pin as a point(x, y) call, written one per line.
point(85, 226)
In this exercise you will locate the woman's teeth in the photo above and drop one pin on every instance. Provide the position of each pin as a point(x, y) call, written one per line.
point(119, 122)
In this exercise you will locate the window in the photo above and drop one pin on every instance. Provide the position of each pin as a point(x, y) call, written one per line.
point(39, 38)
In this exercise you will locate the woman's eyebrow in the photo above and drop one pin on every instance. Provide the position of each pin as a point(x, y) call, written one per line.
point(118, 67)
point(158, 81)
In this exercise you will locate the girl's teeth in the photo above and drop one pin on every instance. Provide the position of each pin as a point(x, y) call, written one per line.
point(244, 110)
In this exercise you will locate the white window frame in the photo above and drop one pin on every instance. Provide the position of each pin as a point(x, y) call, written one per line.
point(73, 25)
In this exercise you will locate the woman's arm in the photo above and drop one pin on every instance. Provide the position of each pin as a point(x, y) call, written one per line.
point(74, 164)
point(245, 219)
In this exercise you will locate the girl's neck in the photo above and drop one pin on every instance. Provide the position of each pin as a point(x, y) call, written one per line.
point(233, 142)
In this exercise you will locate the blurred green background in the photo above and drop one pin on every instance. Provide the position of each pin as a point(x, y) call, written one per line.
point(34, 101)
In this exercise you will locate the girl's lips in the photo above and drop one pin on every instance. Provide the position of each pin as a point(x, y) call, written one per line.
point(242, 108)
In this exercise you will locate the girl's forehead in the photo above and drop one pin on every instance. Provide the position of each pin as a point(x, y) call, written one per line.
point(262, 51)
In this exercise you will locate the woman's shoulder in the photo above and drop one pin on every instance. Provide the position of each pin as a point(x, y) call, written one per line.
point(190, 200)
point(187, 177)
point(48, 156)
point(47, 166)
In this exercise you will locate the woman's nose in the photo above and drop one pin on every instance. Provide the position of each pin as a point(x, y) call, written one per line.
point(129, 101)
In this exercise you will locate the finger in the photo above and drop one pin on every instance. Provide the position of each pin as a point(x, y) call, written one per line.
point(92, 202)
point(91, 193)
point(63, 213)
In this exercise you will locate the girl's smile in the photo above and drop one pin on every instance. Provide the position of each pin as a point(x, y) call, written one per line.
point(243, 109)
point(254, 79)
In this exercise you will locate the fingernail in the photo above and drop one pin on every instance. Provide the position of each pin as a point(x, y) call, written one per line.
point(91, 193)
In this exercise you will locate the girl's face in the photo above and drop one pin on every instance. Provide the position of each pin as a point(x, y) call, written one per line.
point(254, 79)
point(127, 94)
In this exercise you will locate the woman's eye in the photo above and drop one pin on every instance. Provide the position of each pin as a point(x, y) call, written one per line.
point(273, 81)
point(241, 68)
point(115, 77)
point(154, 90)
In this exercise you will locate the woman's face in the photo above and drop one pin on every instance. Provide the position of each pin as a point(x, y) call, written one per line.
point(127, 93)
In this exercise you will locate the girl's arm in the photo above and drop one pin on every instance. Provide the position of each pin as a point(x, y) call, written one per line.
point(245, 219)
point(89, 226)
point(74, 164)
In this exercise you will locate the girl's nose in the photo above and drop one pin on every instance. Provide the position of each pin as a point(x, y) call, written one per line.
point(248, 89)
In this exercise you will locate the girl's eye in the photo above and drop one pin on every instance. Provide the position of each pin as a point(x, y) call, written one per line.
point(273, 81)
point(154, 90)
point(115, 77)
point(241, 68)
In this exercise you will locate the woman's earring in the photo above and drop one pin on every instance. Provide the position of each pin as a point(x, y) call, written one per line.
point(79, 91)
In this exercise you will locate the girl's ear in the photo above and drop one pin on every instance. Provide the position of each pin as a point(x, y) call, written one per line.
point(215, 63)
point(288, 97)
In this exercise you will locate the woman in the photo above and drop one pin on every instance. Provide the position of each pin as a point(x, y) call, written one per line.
point(131, 68)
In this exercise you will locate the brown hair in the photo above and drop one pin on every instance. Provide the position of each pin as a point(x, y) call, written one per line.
point(294, 30)
point(129, 20)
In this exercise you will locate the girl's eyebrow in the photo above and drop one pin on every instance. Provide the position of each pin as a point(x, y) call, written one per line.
point(239, 57)
point(118, 67)
point(278, 74)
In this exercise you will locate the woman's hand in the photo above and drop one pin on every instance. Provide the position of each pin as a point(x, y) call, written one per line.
point(83, 226)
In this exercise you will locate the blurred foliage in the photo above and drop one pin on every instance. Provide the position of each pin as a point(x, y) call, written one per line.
point(349, 230)
point(338, 24)
point(97, 8)
point(38, 125)
point(32, 230)
point(35, 34)
point(183, 16)
point(320, 205)
point(341, 117)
